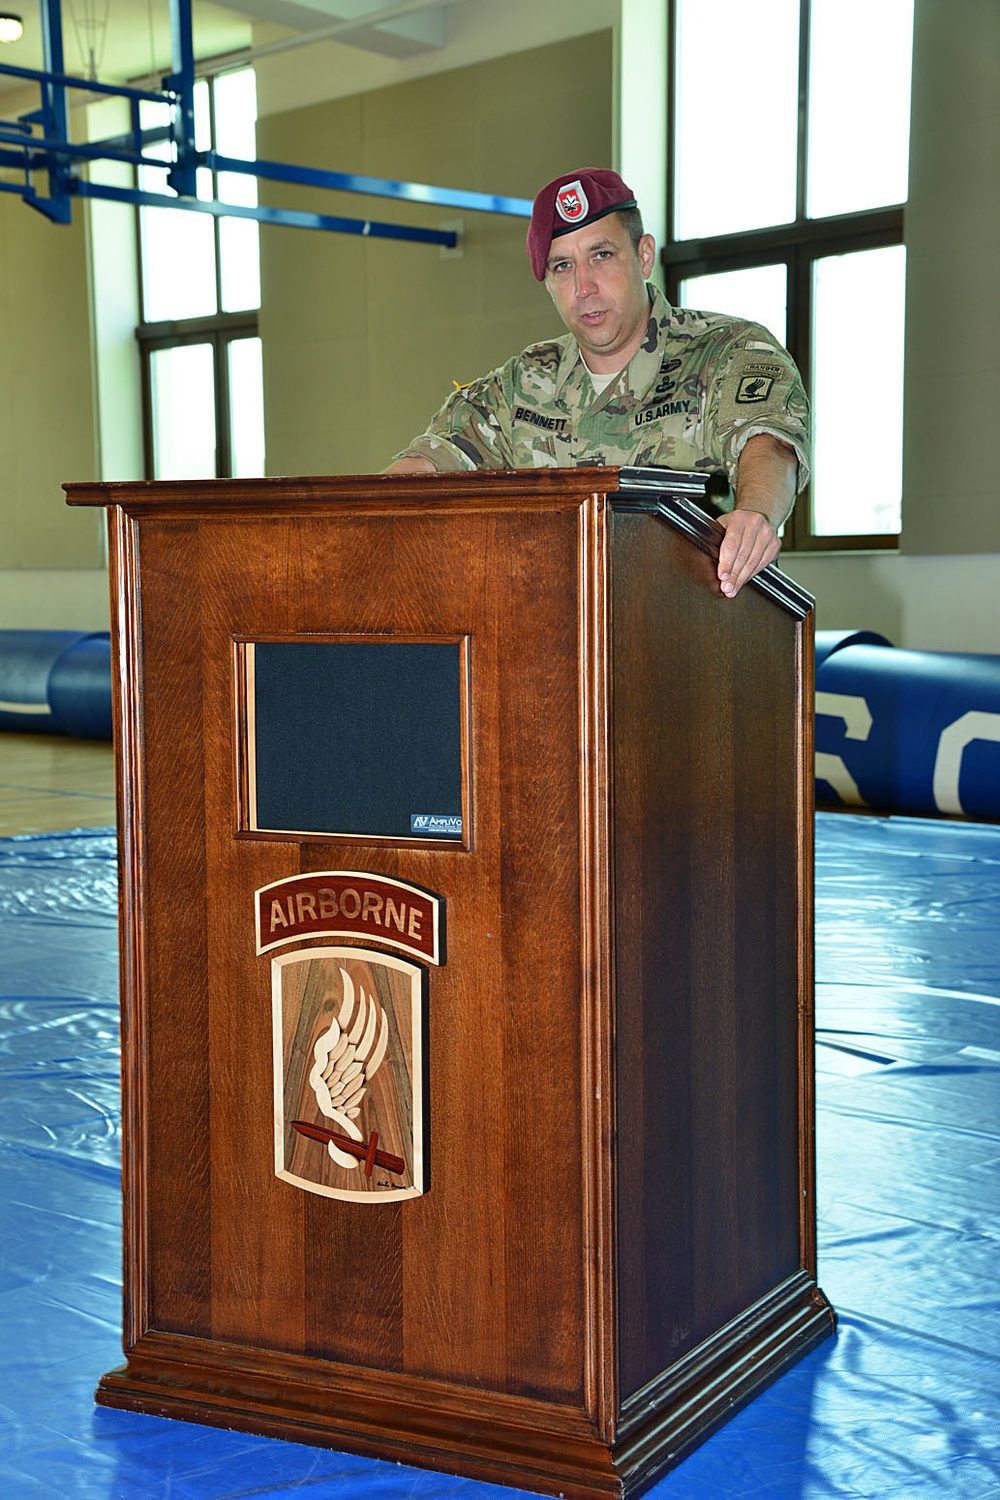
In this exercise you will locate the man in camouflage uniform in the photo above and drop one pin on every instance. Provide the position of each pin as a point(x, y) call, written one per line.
point(634, 382)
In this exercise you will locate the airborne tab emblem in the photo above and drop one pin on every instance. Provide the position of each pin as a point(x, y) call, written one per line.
point(756, 382)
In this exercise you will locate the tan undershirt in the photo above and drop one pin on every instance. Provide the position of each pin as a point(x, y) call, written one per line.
point(601, 382)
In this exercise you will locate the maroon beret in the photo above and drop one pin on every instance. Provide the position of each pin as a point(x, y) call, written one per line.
point(569, 202)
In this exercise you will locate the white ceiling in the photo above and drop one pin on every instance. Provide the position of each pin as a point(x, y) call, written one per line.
point(121, 40)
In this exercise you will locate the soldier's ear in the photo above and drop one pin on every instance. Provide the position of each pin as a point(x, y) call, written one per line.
point(646, 251)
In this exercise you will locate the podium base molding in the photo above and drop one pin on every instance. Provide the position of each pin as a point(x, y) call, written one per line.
point(550, 1448)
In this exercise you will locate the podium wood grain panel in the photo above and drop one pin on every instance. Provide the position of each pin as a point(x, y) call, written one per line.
point(611, 1253)
point(707, 943)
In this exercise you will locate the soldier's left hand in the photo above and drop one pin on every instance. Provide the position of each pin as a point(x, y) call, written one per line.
point(749, 543)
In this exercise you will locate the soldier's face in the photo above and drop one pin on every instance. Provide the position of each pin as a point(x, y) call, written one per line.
point(597, 280)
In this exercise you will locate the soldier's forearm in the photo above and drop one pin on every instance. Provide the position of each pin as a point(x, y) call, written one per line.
point(412, 465)
point(765, 479)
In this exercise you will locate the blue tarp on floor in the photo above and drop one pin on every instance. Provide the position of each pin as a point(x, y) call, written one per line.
point(903, 1404)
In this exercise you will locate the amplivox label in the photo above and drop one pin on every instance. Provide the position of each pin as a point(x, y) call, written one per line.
point(436, 825)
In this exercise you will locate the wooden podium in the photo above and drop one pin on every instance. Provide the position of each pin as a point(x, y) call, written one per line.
point(481, 777)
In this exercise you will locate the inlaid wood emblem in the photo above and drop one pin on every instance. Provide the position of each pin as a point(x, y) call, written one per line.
point(348, 1073)
point(351, 903)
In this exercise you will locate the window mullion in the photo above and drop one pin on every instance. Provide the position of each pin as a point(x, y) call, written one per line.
point(800, 348)
point(670, 224)
point(223, 415)
point(215, 194)
point(805, 7)
point(147, 412)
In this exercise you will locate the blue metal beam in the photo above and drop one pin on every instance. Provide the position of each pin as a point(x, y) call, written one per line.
point(52, 152)
point(87, 86)
point(374, 187)
point(294, 218)
point(35, 153)
point(55, 112)
point(183, 177)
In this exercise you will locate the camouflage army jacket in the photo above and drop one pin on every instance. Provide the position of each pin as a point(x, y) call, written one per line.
point(700, 385)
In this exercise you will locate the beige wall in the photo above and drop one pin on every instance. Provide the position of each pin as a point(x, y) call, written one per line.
point(54, 598)
point(952, 477)
point(947, 603)
point(46, 403)
point(363, 338)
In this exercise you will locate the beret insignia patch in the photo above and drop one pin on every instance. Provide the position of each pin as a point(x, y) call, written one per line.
point(571, 202)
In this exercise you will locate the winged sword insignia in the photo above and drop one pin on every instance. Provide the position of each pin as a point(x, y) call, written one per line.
point(347, 1056)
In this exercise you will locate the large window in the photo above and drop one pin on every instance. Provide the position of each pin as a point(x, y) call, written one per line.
point(789, 146)
point(201, 355)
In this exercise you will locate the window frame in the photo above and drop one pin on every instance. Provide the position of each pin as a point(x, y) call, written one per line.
point(799, 244)
point(219, 329)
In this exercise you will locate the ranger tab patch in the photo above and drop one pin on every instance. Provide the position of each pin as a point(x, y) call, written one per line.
point(756, 383)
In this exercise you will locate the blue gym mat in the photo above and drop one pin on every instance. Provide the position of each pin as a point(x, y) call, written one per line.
point(903, 1404)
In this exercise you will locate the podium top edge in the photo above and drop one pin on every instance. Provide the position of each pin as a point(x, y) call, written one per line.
point(680, 497)
point(315, 489)
point(684, 514)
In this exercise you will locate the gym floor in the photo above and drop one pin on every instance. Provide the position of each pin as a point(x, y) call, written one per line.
point(904, 1404)
point(49, 782)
